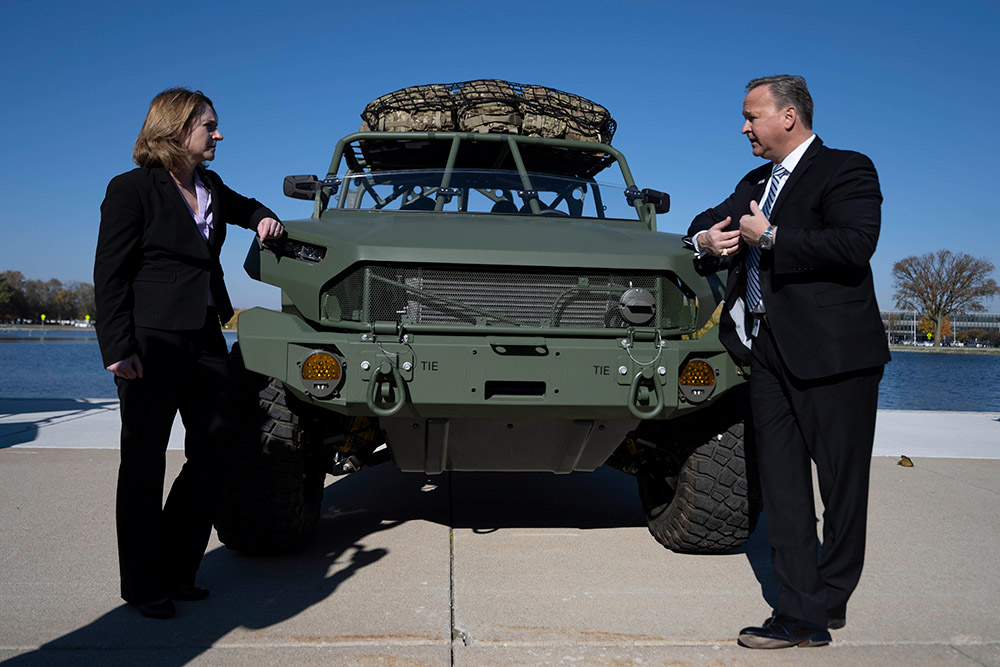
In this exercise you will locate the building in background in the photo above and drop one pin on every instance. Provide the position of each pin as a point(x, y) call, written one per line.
point(903, 327)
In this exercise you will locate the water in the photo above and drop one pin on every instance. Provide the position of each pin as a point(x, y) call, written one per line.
point(56, 363)
point(66, 363)
point(941, 381)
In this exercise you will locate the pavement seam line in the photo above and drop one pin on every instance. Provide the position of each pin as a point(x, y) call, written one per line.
point(456, 632)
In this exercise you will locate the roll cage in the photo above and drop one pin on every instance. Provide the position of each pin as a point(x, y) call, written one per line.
point(437, 167)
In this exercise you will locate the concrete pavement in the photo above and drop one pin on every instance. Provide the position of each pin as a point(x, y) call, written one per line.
point(490, 569)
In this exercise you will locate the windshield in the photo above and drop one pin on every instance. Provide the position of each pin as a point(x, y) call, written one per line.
point(484, 191)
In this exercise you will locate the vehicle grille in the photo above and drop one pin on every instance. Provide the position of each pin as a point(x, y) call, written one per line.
point(459, 296)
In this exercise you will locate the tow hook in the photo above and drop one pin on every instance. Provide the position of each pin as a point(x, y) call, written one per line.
point(645, 387)
point(389, 390)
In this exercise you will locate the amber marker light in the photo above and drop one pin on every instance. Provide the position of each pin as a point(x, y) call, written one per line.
point(321, 374)
point(697, 373)
point(697, 380)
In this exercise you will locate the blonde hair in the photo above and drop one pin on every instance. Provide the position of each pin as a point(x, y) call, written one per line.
point(168, 121)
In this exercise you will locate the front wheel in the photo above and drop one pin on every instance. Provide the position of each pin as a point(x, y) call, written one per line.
point(273, 499)
point(705, 502)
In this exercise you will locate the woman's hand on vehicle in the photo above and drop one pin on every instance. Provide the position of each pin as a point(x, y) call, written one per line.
point(269, 228)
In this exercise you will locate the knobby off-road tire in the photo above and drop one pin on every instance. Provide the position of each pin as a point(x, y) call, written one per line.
point(706, 503)
point(273, 499)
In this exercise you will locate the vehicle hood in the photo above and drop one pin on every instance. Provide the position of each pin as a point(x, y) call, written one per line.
point(418, 237)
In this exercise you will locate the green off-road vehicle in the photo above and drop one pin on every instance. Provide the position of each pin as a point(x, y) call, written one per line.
point(481, 287)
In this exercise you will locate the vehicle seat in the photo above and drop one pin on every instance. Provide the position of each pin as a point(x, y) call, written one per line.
point(543, 209)
point(418, 204)
point(504, 206)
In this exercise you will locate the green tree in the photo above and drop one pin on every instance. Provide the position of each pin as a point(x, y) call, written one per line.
point(12, 301)
point(939, 284)
point(66, 304)
point(85, 299)
point(6, 297)
point(21, 298)
point(971, 336)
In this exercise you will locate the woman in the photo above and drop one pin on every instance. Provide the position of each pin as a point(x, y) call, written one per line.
point(160, 300)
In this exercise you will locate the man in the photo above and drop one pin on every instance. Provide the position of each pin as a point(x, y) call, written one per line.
point(801, 311)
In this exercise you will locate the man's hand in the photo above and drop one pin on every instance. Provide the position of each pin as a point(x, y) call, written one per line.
point(129, 369)
point(716, 240)
point(269, 228)
point(753, 225)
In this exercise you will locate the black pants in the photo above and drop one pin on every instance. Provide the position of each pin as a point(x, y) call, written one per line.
point(160, 545)
point(830, 421)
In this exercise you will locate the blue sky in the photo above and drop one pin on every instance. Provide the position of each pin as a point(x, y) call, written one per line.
point(914, 85)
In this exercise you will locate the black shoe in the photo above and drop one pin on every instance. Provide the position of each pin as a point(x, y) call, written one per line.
point(783, 632)
point(161, 609)
point(834, 621)
point(190, 593)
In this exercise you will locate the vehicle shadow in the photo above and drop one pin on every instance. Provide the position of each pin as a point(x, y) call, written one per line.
point(253, 593)
point(486, 502)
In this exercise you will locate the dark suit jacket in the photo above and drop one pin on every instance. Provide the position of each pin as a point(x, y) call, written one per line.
point(816, 283)
point(153, 267)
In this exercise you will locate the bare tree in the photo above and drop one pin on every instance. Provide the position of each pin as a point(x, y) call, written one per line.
point(891, 322)
point(938, 284)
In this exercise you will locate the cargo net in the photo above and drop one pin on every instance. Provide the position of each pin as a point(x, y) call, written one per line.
point(490, 105)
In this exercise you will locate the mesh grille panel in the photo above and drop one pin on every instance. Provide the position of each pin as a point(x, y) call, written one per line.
point(496, 297)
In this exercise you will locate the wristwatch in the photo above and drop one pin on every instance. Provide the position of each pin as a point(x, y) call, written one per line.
point(766, 240)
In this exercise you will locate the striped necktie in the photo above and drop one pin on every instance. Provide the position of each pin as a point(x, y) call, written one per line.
point(778, 174)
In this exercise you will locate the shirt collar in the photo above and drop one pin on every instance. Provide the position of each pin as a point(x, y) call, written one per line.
point(204, 198)
point(792, 159)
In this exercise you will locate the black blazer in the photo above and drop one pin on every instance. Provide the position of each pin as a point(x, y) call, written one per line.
point(153, 268)
point(816, 283)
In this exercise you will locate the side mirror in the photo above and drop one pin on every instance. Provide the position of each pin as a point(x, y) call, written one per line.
point(301, 187)
point(659, 200)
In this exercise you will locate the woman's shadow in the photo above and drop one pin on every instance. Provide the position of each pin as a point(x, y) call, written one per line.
point(254, 592)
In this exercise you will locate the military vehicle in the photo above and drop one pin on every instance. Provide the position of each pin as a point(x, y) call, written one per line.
point(481, 287)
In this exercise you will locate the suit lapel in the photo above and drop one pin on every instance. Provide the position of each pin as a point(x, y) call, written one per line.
point(170, 191)
point(804, 163)
point(192, 237)
point(757, 195)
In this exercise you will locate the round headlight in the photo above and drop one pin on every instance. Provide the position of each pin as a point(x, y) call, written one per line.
point(321, 374)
